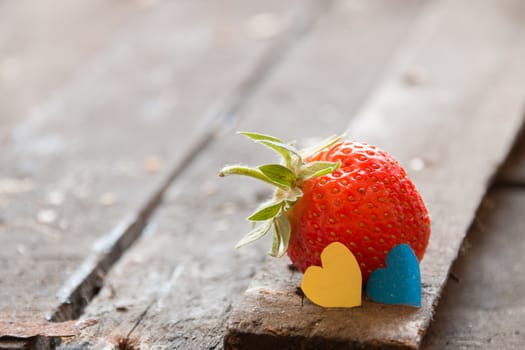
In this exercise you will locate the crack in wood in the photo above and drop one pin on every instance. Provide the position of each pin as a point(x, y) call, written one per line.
point(139, 319)
point(85, 283)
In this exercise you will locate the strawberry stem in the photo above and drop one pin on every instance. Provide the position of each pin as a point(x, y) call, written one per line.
point(287, 178)
point(250, 172)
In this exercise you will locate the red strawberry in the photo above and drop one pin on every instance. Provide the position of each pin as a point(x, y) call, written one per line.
point(345, 191)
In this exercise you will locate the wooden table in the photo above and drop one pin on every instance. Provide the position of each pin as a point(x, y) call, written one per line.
point(116, 232)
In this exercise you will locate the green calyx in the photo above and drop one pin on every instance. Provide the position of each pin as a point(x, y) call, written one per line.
point(288, 177)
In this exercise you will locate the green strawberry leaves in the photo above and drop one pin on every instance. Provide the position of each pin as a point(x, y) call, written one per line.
point(286, 151)
point(315, 169)
point(279, 173)
point(267, 212)
point(321, 146)
point(276, 244)
point(255, 234)
point(283, 231)
point(260, 137)
point(287, 177)
point(273, 215)
point(251, 172)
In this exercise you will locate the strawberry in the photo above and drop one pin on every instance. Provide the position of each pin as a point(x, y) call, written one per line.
point(341, 191)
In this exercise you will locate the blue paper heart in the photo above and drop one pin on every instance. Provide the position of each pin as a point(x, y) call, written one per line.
point(400, 282)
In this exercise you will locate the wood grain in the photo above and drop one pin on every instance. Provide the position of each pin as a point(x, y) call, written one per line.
point(449, 122)
point(176, 286)
point(45, 44)
point(81, 175)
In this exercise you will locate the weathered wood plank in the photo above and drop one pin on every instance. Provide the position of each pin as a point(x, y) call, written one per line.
point(482, 302)
point(43, 44)
point(80, 176)
point(175, 287)
point(484, 307)
point(451, 124)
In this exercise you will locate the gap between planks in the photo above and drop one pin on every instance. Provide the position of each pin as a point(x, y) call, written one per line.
point(109, 128)
point(87, 280)
point(80, 225)
point(487, 293)
point(512, 173)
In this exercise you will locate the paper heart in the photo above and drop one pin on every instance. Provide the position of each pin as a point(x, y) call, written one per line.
point(400, 282)
point(338, 283)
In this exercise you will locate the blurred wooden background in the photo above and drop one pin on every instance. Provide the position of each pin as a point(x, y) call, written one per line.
point(116, 115)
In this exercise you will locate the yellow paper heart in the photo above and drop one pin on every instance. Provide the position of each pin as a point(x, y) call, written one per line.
point(338, 283)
